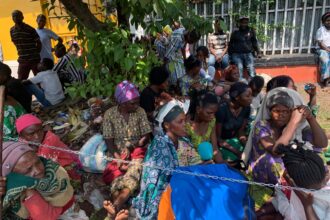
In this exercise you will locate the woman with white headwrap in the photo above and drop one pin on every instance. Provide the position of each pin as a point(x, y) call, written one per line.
point(161, 153)
point(282, 119)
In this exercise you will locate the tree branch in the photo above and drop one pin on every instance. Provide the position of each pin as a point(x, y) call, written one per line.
point(81, 11)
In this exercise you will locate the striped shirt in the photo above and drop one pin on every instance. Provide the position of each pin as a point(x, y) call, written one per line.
point(67, 71)
point(218, 42)
point(25, 39)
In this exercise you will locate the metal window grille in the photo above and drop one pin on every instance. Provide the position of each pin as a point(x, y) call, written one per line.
point(297, 20)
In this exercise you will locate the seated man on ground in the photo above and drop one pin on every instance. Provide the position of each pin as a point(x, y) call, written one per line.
point(51, 92)
point(29, 128)
point(66, 68)
point(14, 87)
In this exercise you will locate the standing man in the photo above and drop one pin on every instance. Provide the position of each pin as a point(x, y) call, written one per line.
point(243, 46)
point(28, 45)
point(45, 36)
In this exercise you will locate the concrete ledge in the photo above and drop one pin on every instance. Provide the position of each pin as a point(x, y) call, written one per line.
point(286, 60)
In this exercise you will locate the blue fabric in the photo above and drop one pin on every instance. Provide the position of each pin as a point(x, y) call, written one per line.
point(161, 153)
point(324, 60)
point(33, 89)
point(224, 62)
point(203, 198)
point(244, 60)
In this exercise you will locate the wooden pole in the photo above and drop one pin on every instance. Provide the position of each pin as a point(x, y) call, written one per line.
point(2, 102)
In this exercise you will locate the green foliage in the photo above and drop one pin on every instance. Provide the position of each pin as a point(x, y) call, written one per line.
point(254, 12)
point(110, 55)
point(112, 58)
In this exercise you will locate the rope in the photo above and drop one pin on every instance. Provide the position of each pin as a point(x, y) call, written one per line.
point(220, 178)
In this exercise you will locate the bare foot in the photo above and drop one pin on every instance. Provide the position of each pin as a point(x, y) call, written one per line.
point(109, 207)
point(122, 215)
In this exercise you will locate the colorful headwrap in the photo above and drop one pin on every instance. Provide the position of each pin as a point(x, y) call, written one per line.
point(126, 91)
point(11, 153)
point(167, 29)
point(26, 121)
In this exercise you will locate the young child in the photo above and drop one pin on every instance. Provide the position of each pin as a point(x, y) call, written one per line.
point(304, 169)
point(29, 128)
point(51, 92)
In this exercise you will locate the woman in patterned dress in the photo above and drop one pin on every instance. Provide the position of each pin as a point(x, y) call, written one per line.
point(282, 120)
point(126, 131)
point(161, 153)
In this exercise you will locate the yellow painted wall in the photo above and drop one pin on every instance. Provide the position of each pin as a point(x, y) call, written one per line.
point(30, 11)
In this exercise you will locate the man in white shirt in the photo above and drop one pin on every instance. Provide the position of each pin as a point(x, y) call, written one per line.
point(45, 36)
point(51, 92)
point(323, 43)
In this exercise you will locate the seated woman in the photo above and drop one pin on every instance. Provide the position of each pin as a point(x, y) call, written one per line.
point(323, 41)
point(281, 120)
point(287, 81)
point(36, 188)
point(29, 128)
point(126, 131)
point(192, 78)
point(158, 79)
point(232, 120)
point(12, 110)
point(201, 127)
point(162, 153)
point(304, 169)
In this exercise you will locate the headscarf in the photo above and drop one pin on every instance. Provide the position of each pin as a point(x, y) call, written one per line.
point(237, 89)
point(54, 187)
point(264, 114)
point(11, 153)
point(325, 16)
point(168, 30)
point(229, 70)
point(26, 121)
point(168, 113)
point(126, 91)
point(280, 98)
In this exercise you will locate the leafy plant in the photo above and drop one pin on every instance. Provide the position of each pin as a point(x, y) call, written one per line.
point(110, 55)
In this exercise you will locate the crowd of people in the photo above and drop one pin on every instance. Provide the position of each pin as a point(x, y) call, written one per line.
point(199, 119)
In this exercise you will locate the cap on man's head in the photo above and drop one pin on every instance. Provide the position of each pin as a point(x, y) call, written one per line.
point(243, 17)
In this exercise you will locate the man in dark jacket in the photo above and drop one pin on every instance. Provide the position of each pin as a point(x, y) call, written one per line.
point(243, 46)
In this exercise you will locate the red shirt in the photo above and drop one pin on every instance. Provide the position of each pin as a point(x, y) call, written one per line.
point(61, 157)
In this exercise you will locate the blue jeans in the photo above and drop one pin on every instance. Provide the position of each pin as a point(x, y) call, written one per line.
point(242, 60)
point(38, 93)
point(224, 61)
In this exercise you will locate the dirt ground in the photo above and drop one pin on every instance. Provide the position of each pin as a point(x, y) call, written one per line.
point(323, 99)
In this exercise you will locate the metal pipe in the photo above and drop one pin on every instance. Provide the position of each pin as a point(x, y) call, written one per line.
point(2, 102)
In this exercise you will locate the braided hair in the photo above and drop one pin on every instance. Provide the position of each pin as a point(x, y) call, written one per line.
point(202, 99)
point(305, 167)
